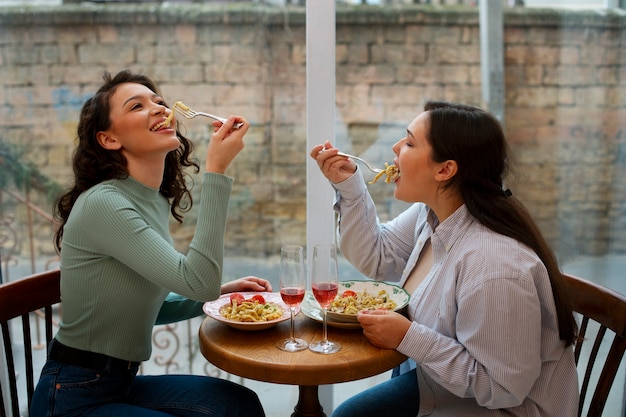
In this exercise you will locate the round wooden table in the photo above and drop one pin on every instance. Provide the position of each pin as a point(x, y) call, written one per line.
point(254, 355)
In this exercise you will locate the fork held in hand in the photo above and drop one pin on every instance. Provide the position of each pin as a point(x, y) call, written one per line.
point(367, 164)
point(190, 114)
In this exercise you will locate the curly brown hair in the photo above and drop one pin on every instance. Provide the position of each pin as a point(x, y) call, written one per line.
point(92, 164)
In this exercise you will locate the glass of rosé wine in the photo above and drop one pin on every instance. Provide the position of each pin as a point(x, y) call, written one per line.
point(324, 286)
point(292, 288)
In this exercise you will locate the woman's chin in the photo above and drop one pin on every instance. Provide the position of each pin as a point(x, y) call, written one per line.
point(400, 195)
point(397, 193)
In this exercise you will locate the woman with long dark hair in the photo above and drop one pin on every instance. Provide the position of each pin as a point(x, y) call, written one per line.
point(120, 273)
point(489, 330)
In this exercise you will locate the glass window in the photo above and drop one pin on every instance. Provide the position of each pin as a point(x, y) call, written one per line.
point(563, 78)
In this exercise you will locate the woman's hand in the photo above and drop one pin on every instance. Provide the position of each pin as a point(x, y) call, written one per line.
point(225, 144)
point(334, 167)
point(245, 284)
point(383, 328)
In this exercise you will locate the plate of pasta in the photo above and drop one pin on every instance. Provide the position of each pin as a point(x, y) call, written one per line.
point(312, 310)
point(354, 296)
point(248, 311)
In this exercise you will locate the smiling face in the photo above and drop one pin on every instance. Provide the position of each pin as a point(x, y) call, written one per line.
point(139, 127)
point(420, 176)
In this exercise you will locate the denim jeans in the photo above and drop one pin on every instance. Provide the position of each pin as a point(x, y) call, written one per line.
point(66, 390)
point(398, 397)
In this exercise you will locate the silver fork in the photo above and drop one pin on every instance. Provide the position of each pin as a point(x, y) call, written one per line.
point(190, 114)
point(367, 164)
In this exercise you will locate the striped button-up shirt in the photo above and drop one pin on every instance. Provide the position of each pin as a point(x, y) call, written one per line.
point(484, 330)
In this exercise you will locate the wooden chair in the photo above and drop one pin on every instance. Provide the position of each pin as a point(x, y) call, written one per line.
point(607, 308)
point(27, 298)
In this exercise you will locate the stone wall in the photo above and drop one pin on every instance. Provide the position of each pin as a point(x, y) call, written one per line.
point(565, 79)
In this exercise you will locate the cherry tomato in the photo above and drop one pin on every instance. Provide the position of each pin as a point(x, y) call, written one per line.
point(348, 293)
point(238, 298)
point(258, 298)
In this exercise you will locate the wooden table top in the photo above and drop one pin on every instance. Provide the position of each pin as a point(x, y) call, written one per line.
point(254, 355)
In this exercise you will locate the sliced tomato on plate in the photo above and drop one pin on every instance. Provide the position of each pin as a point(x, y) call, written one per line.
point(348, 293)
point(236, 297)
point(258, 298)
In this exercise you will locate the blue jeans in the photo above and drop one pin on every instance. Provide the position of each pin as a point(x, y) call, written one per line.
point(398, 397)
point(66, 390)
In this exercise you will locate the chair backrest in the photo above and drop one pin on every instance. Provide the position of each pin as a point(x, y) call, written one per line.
point(607, 308)
point(30, 298)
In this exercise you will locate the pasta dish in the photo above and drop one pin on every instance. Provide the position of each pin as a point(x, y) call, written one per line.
point(251, 311)
point(169, 118)
point(352, 303)
point(391, 171)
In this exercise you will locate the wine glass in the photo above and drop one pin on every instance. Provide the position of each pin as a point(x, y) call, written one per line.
point(292, 287)
point(324, 285)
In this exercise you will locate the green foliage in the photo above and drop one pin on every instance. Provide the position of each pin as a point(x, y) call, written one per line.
point(23, 174)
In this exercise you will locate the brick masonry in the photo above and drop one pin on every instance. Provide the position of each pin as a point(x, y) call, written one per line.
point(565, 83)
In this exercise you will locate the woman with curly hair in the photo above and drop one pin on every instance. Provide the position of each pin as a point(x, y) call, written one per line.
point(120, 274)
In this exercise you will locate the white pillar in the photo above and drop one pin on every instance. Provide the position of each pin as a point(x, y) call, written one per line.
point(320, 126)
point(492, 56)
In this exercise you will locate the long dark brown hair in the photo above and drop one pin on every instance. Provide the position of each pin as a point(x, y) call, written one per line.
point(92, 164)
point(475, 140)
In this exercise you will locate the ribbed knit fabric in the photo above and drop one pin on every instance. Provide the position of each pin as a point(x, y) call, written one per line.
point(118, 265)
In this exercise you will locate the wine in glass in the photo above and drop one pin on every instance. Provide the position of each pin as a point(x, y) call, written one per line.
point(292, 287)
point(324, 285)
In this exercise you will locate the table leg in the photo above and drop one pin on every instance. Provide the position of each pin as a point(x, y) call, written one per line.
point(308, 402)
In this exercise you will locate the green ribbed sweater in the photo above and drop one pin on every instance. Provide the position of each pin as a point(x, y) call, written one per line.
point(118, 265)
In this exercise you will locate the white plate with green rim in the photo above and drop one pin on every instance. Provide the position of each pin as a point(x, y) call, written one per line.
point(370, 295)
point(397, 295)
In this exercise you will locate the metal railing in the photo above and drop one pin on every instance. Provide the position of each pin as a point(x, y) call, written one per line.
point(12, 233)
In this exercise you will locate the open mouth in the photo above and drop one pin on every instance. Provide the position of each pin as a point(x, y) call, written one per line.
point(164, 124)
point(391, 173)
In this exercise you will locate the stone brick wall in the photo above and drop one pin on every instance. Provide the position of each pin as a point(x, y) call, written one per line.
point(565, 78)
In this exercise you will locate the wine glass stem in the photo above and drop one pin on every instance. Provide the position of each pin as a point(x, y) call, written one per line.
point(292, 332)
point(325, 339)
